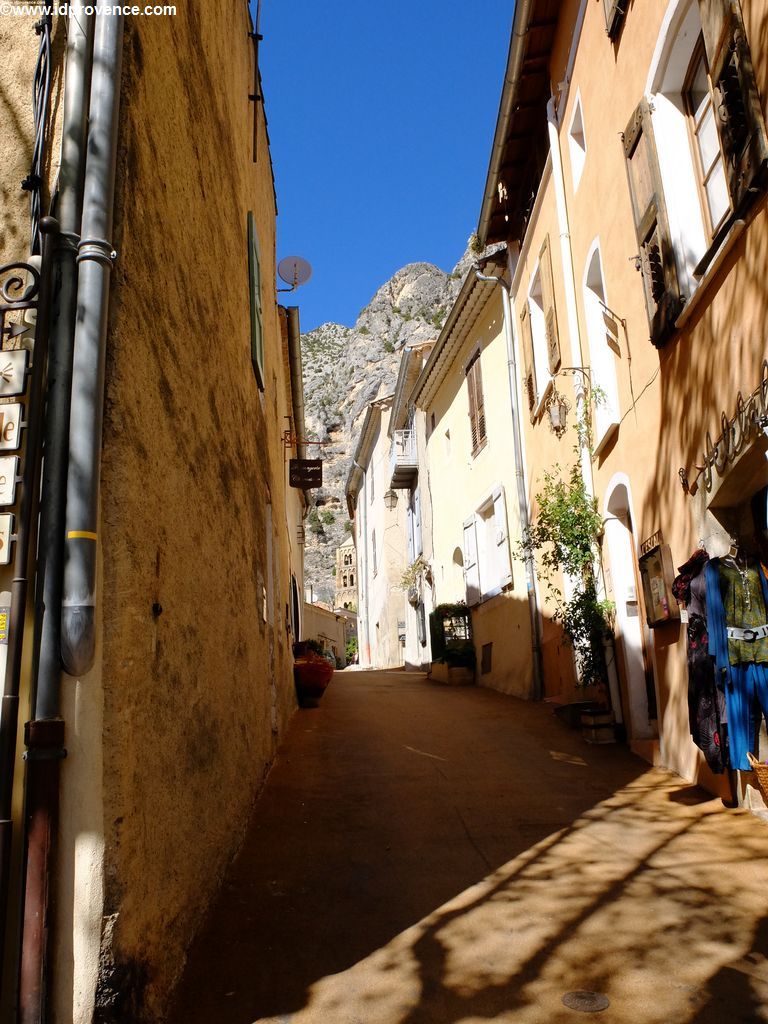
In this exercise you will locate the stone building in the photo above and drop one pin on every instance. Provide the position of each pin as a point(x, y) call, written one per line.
point(183, 558)
point(346, 574)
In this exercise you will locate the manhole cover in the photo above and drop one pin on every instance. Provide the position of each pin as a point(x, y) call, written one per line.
point(587, 1002)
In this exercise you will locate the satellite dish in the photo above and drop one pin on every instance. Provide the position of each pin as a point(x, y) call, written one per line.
point(294, 271)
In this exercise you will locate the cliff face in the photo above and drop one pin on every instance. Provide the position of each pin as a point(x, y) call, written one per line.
point(345, 368)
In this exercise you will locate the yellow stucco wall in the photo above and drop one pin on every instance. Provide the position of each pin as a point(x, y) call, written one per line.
point(327, 628)
point(458, 485)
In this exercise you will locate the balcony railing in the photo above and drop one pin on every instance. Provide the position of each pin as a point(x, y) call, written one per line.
point(403, 463)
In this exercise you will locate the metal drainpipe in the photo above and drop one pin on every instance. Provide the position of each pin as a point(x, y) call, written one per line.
point(522, 495)
point(45, 734)
point(95, 255)
point(27, 499)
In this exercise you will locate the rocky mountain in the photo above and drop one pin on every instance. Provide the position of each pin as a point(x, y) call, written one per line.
point(345, 368)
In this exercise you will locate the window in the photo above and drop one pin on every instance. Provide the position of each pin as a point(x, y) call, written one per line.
point(577, 143)
point(254, 282)
point(695, 154)
point(540, 335)
point(415, 544)
point(344, 581)
point(476, 404)
point(710, 168)
point(351, 579)
point(614, 16)
point(603, 349)
point(487, 562)
point(486, 660)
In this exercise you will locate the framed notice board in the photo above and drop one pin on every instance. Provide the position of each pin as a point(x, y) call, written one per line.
point(657, 573)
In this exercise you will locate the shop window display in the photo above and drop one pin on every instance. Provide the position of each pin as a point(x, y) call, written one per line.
point(727, 602)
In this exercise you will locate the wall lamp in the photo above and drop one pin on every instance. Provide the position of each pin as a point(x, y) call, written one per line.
point(558, 405)
point(390, 499)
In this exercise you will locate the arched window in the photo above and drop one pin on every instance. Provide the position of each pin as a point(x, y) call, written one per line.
point(345, 580)
point(604, 348)
point(351, 579)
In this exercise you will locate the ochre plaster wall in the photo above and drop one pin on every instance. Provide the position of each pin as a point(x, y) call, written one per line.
point(670, 399)
point(194, 684)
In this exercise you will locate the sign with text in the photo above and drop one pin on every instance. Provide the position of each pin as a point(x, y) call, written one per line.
point(13, 371)
point(10, 418)
point(305, 473)
point(9, 469)
point(6, 530)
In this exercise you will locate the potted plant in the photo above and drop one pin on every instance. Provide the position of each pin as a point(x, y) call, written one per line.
point(453, 650)
point(312, 672)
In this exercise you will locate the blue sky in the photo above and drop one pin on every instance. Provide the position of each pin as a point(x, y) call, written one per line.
point(381, 119)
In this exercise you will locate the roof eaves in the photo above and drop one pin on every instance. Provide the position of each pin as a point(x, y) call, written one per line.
point(523, 11)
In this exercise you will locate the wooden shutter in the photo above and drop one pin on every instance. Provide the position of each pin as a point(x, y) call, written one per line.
point(476, 403)
point(503, 558)
point(739, 115)
point(479, 400)
point(254, 282)
point(614, 15)
point(418, 546)
point(471, 566)
point(550, 312)
point(472, 404)
point(657, 258)
point(529, 380)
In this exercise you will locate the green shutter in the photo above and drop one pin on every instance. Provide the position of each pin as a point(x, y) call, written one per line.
point(254, 281)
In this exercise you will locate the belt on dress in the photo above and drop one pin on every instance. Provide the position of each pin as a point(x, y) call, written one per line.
point(750, 633)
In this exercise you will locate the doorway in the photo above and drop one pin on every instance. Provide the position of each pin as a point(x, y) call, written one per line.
point(637, 692)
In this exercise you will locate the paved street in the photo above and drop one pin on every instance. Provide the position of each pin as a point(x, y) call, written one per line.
point(435, 855)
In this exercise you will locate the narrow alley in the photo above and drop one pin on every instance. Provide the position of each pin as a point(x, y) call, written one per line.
point(436, 855)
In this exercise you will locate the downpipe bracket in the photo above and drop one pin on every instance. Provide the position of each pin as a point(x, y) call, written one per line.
point(97, 249)
point(44, 739)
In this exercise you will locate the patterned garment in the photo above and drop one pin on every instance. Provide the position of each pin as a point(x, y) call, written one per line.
point(706, 703)
point(744, 606)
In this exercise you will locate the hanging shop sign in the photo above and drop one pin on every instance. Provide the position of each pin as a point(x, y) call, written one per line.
point(10, 421)
point(9, 471)
point(305, 473)
point(6, 533)
point(750, 419)
point(657, 573)
point(13, 372)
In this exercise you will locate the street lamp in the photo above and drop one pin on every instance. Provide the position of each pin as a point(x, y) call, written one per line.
point(557, 409)
point(390, 499)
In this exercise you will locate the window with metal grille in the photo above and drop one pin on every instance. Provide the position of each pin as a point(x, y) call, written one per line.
point(486, 662)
